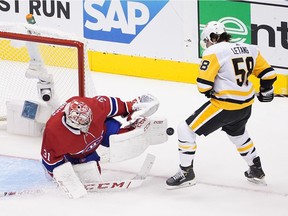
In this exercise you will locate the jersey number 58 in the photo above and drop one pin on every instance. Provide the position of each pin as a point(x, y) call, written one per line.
point(242, 74)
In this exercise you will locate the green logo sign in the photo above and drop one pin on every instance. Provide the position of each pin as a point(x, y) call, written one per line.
point(234, 15)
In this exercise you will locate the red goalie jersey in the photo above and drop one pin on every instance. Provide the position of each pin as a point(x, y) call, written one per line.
point(64, 141)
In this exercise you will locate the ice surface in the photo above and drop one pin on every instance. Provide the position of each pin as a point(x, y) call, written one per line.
point(221, 188)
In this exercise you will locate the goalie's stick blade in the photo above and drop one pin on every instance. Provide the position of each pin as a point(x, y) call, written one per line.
point(112, 185)
point(124, 184)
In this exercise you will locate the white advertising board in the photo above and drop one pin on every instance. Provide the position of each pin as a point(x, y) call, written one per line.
point(156, 29)
point(271, 32)
point(160, 29)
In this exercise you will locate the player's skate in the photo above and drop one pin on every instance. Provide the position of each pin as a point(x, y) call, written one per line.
point(183, 178)
point(255, 173)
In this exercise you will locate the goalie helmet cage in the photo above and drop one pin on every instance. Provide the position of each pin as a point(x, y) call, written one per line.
point(62, 55)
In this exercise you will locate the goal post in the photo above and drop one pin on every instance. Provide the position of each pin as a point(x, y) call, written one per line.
point(56, 41)
point(33, 59)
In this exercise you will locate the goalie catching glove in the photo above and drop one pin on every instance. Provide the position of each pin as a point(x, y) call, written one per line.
point(144, 106)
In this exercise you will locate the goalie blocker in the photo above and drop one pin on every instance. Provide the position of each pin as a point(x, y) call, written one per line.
point(148, 131)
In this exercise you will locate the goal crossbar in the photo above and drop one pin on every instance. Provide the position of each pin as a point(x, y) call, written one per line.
point(56, 41)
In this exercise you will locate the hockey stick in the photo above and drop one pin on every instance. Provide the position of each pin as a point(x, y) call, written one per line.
point(102, 186)
point(280, 95)
point(124, 184)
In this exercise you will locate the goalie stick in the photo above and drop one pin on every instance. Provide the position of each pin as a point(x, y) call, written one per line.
point(116, 185)
point(124, 184)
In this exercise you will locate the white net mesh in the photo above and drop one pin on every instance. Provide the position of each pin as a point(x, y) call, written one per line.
point(62, 61)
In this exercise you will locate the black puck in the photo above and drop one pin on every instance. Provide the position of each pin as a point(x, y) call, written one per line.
point(170, 131)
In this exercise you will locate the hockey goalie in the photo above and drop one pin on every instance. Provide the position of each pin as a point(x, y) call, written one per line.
point(78, 127)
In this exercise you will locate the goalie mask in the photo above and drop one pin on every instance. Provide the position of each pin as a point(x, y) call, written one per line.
point(211, 31)
point(78, 115)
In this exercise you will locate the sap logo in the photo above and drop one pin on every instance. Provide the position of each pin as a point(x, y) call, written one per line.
point(118, 20)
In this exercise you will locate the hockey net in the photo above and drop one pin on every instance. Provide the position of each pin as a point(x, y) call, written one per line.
point(62, 56)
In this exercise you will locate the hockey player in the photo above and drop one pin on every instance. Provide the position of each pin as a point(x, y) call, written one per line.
point(223, 77)
point(75, 131)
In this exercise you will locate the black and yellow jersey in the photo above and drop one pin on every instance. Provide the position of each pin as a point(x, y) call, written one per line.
point(225, 68)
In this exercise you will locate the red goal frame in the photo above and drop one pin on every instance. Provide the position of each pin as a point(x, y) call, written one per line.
point(56, 41)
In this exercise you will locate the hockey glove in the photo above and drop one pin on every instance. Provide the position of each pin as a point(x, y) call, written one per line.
point(265, 95)
point(129, 108)
point(209, 93)
point(144, 106)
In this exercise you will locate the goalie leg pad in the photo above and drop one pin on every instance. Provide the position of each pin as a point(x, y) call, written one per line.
point(87, 172)
point(68, 181)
